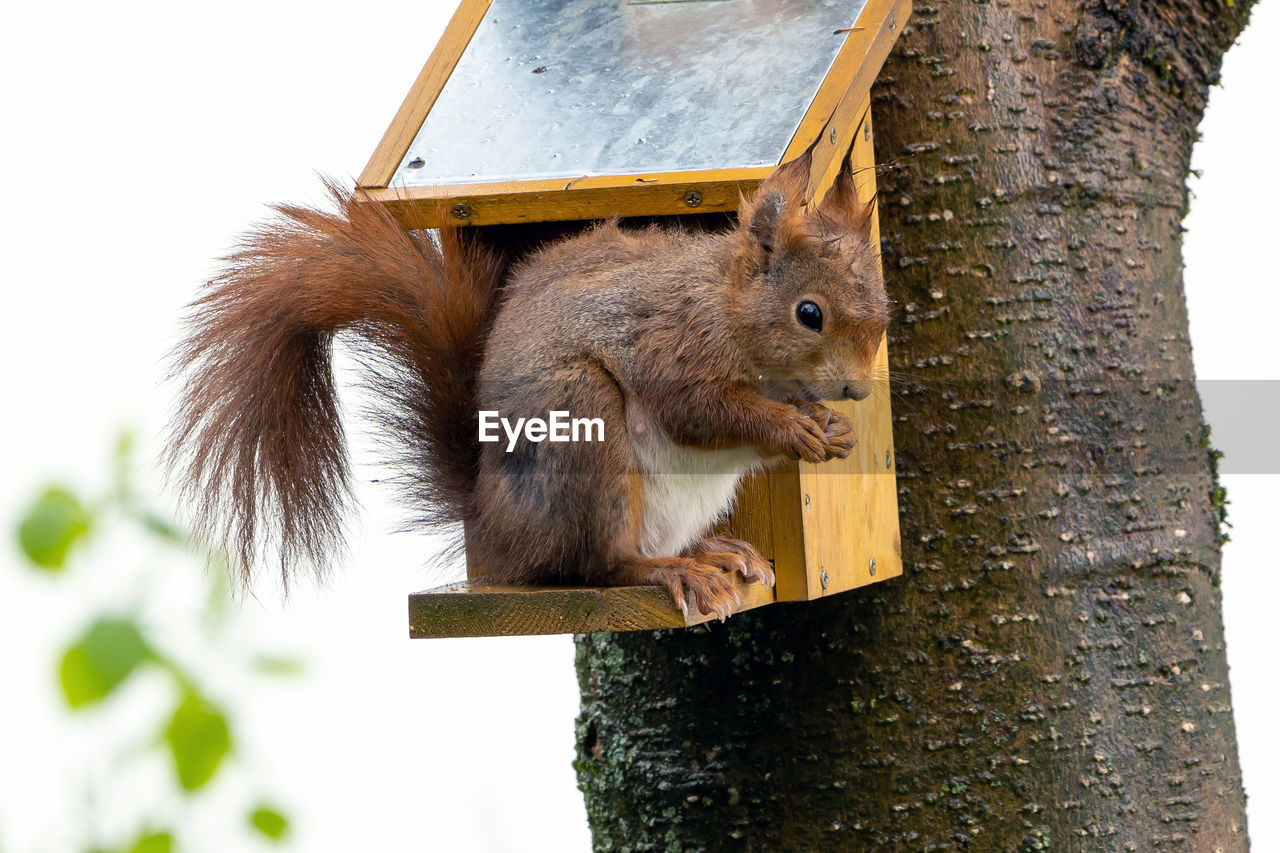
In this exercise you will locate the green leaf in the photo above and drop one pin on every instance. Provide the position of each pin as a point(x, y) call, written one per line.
point(199, 740)
point(105, 656)
point(269, 822)
point(153, 842)
point(51, 526)
point(270, 665)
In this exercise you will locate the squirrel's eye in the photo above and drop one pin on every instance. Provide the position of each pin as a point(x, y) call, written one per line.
point(809, 315)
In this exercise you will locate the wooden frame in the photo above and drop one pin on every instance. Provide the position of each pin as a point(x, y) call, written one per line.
point(827, 528)
point(821, 525)
point(657, 194)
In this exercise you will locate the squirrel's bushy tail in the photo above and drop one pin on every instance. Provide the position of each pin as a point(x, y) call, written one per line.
point(257, 440)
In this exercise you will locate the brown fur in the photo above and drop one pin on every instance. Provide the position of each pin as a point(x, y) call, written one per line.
point(693, 333)
point(257, 436)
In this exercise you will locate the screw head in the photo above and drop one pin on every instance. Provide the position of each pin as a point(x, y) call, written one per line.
point(693, 198)
point(825, 578)
point(866, 131)
point(806, 501)
point(893, 23)
point(888, 459)
point(833, 135)
point(872, 566)
point(461, 211)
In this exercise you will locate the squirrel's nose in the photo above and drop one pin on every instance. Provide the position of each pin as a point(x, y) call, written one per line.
point(857, 390)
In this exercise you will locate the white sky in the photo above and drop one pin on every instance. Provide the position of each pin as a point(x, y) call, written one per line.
point(141, 138)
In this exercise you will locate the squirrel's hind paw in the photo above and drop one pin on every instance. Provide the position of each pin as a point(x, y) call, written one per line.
point(706, 576)
point(751, 564)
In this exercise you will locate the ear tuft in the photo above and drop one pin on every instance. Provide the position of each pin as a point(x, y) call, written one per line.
point(766, 220)
point(843, 205)
point(791, 179)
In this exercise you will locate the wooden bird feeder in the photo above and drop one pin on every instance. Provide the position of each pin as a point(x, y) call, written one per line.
point(533, 117)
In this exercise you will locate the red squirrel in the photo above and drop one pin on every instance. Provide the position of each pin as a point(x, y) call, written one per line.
point(705, 355)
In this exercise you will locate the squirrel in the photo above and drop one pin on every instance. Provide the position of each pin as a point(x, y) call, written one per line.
point(704, 354)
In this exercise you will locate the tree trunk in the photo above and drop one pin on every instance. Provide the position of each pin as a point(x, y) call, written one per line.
point(1050, 670)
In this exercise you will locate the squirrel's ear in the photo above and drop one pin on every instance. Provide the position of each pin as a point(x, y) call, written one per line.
point(766, 220)
point(777, 200)
point(843, 205)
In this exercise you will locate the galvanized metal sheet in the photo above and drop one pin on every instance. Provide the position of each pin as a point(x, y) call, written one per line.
point(571, 88)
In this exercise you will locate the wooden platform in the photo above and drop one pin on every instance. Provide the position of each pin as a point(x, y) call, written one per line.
point(469, 609)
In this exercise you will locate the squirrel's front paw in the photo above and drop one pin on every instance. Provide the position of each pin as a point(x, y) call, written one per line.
point(838, 436)
point(803, 437)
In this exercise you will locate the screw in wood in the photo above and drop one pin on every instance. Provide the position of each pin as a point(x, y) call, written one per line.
point(462, 211)
point(825, 578)
point(833, 135)
point(872, 566)
point(888, 460)
point(693, 198)
point(866, 132)
point(806, 501)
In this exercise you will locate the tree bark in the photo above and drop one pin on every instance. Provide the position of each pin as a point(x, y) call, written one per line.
point(1050, 670)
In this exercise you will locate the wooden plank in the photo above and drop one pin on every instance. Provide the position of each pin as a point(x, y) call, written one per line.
point(863, 156)
point(600, 197)
point(751, 519)
point(422, 96)
point(471, 609)
point(884, 20)
point(851, 515)
point(785, 507)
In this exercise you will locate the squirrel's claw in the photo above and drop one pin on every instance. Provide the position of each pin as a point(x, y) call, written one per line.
point(704, 575)
point(750, 563)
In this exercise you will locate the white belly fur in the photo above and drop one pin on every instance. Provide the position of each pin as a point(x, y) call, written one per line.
point(686, 490)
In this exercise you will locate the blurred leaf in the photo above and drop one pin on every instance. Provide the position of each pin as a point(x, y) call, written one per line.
point(51, 526)
point(199, 740)
point(217, 605)
point(100, 660)
point(269, 822)
point(122, 466)
point(269, 665)
point(162, 527)
point(153, 842)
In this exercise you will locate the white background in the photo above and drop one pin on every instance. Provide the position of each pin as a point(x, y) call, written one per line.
point(138, 140)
